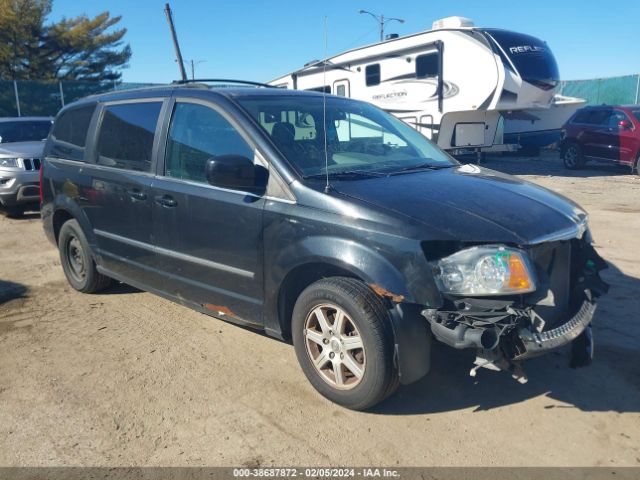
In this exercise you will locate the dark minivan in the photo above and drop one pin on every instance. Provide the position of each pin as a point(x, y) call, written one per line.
point(317, 219)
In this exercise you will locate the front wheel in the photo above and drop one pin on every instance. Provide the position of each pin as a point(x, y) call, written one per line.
point(77, 261)
point(344, 342)
point(572, 156)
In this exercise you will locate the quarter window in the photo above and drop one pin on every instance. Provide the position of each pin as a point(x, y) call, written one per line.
point(70, 133)
point(372, 75)
point(72, 126)
point(126, 135)
point(198, 133)
point(427, 65)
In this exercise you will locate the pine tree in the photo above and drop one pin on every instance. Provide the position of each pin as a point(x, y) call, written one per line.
point(79, 48)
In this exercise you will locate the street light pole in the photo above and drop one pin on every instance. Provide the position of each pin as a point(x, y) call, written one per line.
point(381, 21)
point(193, 67)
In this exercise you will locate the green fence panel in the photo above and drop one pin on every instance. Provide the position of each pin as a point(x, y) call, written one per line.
point(75, 90)
point(7, 99)
point(611, 91)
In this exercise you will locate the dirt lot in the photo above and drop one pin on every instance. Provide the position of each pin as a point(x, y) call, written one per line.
point(127, 378)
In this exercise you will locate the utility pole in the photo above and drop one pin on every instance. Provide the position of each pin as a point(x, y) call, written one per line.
point(193, 67)
point(174, 38)
point(382, 21)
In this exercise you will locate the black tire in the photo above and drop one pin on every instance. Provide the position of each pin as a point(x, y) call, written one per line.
point(572, 156)
point(636, 166)
point(366, 313)
point(77, 260)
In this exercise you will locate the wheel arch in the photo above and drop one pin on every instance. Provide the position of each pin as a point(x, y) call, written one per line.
point(65, 209)
point(344, 258)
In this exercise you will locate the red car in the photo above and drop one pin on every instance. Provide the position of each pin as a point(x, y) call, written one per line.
point(605, 133)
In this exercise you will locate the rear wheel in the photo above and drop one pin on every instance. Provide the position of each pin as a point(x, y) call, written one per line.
point(344, 343)
point(77, 261)
point(636, 166)
point(572, 156)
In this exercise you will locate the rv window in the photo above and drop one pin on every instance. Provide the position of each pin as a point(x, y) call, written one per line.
point(372, 75)
point(427, 65)
point(341, 91)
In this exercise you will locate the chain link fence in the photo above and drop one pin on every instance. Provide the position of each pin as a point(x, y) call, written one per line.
point(30, 97)
point(34, 98)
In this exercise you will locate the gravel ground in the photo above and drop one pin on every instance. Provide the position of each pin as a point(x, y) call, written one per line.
point(126, 378)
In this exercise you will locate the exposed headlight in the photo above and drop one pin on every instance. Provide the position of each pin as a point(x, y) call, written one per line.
point(10, 162)
point(486, 270)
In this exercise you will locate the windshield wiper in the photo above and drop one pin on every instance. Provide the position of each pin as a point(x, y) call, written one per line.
point(422, 166)
point(347, 174)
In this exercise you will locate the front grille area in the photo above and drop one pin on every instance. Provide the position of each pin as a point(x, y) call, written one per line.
point(31, 164)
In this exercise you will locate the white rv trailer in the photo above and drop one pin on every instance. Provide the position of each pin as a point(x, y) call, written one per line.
point(451, 83)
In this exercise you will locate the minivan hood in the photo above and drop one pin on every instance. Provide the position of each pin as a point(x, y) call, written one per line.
point(472, 204)
point(22, 149)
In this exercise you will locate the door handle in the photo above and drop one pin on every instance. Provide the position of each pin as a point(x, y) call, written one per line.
point(166, 201)
point(137, 194)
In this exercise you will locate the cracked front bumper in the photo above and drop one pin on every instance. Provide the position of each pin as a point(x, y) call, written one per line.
point(537, 343)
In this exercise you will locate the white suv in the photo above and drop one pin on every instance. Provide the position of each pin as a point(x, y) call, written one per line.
point(21, 145)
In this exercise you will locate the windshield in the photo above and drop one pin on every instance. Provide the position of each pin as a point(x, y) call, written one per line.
point(360, 138)
point(24, 131)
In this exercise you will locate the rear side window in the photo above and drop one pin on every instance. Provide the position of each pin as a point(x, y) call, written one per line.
point(592, 117)
point(581, 117)
point(126, 135)
point(372, 74)
point(198, 133)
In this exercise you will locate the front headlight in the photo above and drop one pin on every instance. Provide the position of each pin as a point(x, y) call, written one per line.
point(486, 270)
point(10, 162)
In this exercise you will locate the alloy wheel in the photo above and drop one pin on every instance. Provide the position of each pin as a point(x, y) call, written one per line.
point(571, 156)
point(335, 347)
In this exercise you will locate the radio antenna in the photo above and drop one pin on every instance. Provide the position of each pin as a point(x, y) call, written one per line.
point(174, 38)
point(327, 187)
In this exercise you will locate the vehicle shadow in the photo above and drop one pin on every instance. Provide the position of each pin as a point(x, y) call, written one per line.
point(611, 383)
point(119, 288)
point(30, 215)
point(550, 164)
point(11, 291)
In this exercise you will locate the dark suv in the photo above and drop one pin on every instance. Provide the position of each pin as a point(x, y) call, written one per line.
point(317, 219)
point(605, 133)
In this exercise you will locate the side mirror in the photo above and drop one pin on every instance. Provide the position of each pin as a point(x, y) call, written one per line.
point(235, 172)
point(624, 124)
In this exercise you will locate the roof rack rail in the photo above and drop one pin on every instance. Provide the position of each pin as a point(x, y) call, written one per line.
point(224, 80)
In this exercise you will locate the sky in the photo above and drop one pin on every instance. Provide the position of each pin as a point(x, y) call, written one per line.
point(262, 40)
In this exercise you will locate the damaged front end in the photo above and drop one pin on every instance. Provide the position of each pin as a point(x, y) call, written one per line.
point(550, 303)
